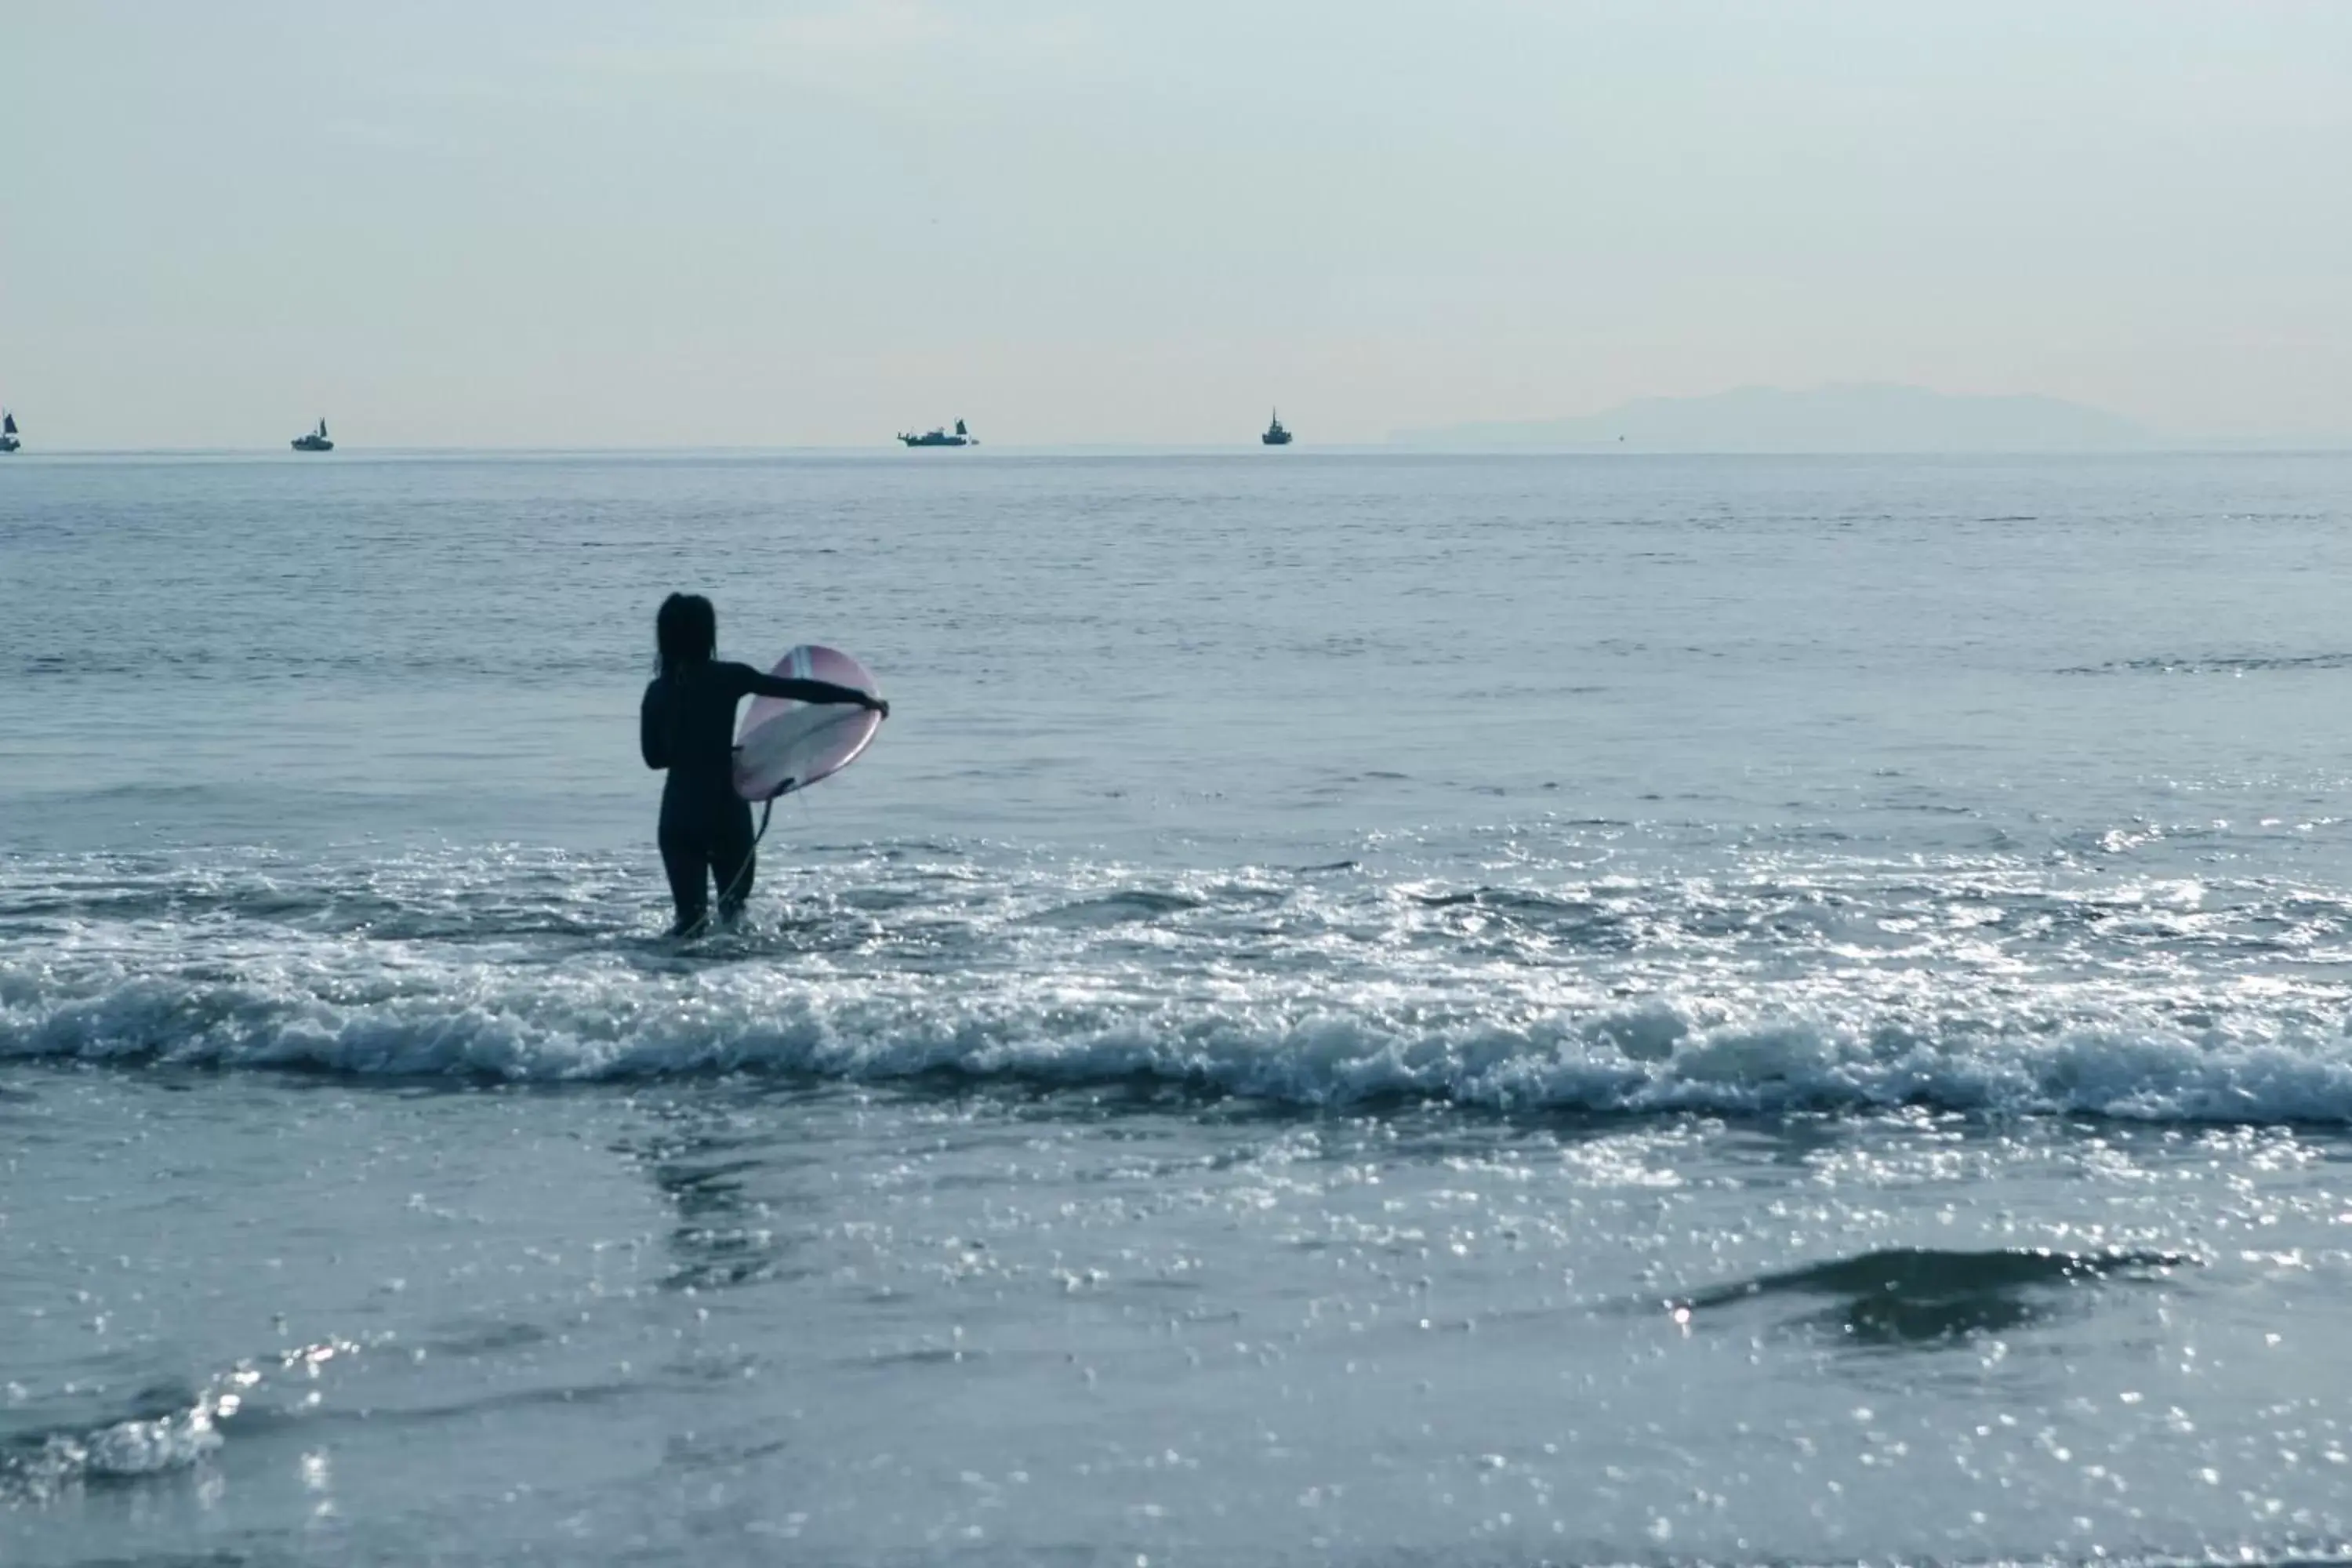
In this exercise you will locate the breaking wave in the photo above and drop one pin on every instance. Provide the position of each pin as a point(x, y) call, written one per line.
point(1991, 989)
point(167, 1429)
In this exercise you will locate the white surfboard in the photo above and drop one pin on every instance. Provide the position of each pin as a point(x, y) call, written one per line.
point(784, 745)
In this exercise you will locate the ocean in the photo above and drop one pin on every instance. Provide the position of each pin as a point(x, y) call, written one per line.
point(1364, 1009)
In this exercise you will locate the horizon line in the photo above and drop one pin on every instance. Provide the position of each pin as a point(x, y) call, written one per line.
point(2248, 446)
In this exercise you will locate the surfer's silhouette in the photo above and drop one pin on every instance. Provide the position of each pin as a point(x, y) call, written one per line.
point(687, 725)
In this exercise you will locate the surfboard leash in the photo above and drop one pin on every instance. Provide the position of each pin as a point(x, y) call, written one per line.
point(767, 809)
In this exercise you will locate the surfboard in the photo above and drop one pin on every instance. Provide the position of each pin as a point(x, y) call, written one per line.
point(784, 745)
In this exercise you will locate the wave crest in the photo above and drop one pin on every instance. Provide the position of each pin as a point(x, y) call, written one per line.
point(1969, 992)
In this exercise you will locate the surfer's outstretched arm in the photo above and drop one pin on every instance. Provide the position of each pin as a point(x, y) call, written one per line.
point(825, 691)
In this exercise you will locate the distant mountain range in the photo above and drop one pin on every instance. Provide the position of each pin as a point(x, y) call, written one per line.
point(1855, 418)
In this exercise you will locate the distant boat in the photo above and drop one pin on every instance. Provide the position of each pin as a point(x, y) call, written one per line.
point(962, 437)
point(316, 441)
point(8, 442)
point(1276, 436)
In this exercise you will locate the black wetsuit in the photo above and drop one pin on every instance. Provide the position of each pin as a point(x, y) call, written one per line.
point(686, 724)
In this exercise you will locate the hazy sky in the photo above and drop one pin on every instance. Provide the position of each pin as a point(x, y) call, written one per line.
point(529, 222)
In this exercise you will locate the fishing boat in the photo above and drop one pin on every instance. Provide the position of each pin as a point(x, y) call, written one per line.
point(960, 438)
point(1276, 436)
point(8, 442)
point(316, 441)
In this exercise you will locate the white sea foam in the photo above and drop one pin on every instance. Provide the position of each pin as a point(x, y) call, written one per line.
point(142, 1446)
point(179, 1436)
point(1984, 989)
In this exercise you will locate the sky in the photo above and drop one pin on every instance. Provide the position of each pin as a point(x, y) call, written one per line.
point(563, 223)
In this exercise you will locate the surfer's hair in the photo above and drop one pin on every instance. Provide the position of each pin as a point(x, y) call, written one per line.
point(686, 631)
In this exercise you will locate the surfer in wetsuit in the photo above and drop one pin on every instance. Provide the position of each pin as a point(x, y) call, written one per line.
point(687, 725)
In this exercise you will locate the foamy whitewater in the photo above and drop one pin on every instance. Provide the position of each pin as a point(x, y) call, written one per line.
point(1364, 1009)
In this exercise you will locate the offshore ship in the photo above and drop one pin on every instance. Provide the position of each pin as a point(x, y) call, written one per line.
point(1276, 436)
point(8, 442)
point(961, 437)
point(316, 441)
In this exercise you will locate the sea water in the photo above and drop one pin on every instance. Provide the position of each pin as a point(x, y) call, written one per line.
point(1364, 1009)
